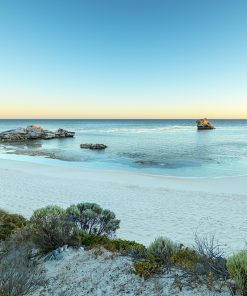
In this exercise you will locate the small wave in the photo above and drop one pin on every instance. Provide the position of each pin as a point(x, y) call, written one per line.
point(138, 130)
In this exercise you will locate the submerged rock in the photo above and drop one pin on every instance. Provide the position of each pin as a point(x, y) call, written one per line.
point(33, 132)
point(146, 162)
point(93, 146)
point(204, 124)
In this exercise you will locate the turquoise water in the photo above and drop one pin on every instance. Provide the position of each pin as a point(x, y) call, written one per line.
point(167, 147)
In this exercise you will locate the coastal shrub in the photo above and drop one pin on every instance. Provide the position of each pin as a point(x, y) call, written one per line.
point(9, 223)
point(163, 249)
point(124, 247)
point(127, 248)
point(237, 267)
point(19, 272)
point(91, 218)
point(92, 240)
point(51, 228)
point(130, 248)
point(185, 258)
point(211, 256)
point(147, 268)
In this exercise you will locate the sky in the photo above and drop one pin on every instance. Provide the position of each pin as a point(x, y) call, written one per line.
point(123, 59)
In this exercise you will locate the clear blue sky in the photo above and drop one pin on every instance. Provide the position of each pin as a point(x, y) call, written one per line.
point(123, 59)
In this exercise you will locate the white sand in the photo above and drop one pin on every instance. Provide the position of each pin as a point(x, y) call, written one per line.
point(147, 205)
point(99, 272)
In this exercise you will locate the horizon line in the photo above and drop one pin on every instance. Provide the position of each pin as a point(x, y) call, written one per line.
point(195, 118)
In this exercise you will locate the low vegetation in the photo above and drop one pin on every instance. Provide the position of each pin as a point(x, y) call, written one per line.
point(20, 273)
point(163, 249)
point(124, 247)
point(148, 267)
point(237, 267)
point(22, 242)
point(185, 258)
point(9, 223)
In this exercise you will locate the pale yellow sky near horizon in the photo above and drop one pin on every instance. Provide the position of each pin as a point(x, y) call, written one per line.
point(109, 105)
point(73, 111)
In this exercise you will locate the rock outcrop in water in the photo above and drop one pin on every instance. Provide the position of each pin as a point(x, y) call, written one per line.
point(93, 146)
point(204, 124)
point(33, 132)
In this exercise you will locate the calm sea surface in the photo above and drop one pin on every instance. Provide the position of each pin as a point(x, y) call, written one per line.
point(167, 147)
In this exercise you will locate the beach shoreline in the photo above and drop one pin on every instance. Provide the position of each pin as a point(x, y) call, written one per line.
point(147, 205)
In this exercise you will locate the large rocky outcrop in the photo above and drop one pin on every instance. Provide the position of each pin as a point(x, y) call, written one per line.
point(204, 124)
point(33, 132)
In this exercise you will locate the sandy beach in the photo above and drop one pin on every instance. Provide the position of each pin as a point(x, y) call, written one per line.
point(147, 205)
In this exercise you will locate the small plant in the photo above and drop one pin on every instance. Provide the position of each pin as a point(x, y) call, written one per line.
point(9, 223)
point(163, 249)
point(92, 219)
point(237, 267)
point(210, 281)
point(185, 258)
point(147, 268)
point(51, 228)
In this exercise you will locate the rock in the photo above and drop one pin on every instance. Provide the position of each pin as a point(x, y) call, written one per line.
point(93, 146)
point(57, 254)
point(61, 133)
point(49, 135)
point(204, 124)
point(33, 132)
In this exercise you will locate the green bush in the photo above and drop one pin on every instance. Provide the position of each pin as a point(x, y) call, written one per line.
point(147, 268)
point(237, 267)
point(51, 228)
point(92, 240)
point(185, 258)
point(130, 248)
point(45, 215)
point(92, 219)
point(163, 249)
point(85, 223)
point(125, 247)
point(9, 223)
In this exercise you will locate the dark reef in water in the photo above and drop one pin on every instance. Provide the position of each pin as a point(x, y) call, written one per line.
point(93, 146)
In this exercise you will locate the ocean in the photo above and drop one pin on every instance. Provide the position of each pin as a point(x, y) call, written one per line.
point(166, 147)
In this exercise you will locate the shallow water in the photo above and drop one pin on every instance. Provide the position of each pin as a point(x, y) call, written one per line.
point(167, 147)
